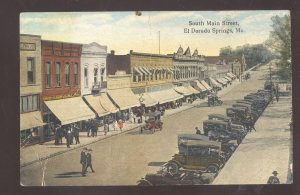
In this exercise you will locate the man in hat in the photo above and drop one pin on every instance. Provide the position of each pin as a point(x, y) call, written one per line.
point(273, 179)
point(89, 160)
point(83, 161)
point(197, 131)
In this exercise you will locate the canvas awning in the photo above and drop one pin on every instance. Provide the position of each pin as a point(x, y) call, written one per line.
point(138, 71)
point(101, 104)
point(165, 96)
point(229, 79)
point(200, 86)
point(231, 75)
point(147, 100)
point(30, 120)
point(183, 90)
point(148, 71)
point(124, 98)
point(70, 110)
point(206, 85)
point(224, 80)
point(214, 82)
point(221, 81)
point(193, 90)
point(143, 71)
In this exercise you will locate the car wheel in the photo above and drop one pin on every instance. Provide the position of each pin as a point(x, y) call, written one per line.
point(144, 183)
point(212, 169)
point(172, 168)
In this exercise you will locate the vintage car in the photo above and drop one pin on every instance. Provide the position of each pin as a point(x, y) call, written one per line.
point(227, 147)
point(219, 117)
point(152, 122)
point(199, 155)
point(165, 178)
point(214, 100)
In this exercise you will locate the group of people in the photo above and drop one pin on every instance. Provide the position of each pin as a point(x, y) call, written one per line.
point(86, 161)
point(69, 132)
point(92, 128)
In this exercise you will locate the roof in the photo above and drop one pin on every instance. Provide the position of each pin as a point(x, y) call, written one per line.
point(203, 143)
point(215, 121)
point(218, 116)
point(192, 137)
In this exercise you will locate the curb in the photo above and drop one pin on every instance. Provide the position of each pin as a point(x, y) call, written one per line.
point(92, 142)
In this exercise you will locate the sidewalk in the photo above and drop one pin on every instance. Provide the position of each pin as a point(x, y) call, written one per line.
point(263, 151)
point(37, 152)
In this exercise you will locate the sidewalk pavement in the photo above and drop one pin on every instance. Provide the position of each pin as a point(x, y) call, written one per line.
point(263, 151)
point(34, 153)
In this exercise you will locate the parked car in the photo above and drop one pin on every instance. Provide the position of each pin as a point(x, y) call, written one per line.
point(200, 155)
point(152, 122)
point(214, 100)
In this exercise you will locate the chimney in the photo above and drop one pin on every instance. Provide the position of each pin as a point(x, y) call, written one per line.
point(112, 52)
point(131, 51)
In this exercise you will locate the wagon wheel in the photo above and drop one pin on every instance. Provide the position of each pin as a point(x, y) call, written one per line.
point(172, 168)
point(212, 169)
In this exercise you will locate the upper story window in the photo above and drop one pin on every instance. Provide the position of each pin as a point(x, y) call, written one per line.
point(29, 103)
point(67, 74)
point(30, 71)
point(58, 76)
point(75, 74)
point(86, 83)
point(95, 75)
point(48, 75)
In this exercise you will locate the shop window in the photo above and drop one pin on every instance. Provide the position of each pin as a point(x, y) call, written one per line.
point(67, 74)
point(30, 71)
point(48, 75)
point(86, 84)
point(75, 74)
point(58, 76)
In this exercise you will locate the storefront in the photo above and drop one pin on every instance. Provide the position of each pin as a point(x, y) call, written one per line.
point(102, 106)
point(31, 127)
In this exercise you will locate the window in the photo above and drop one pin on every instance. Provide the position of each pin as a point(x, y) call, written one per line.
point(30, 71)
point(58, 70)
point(95, 76)
point(75, 74)
point(29, 103)
point(67, 74)
point(86, 77)
point(102, 74)
point(48, 75)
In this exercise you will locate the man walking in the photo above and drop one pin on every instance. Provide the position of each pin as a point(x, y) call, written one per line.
point(89, 160)
point(106, 129)
point(76, 134)
point(273, 179)
point(83, 161)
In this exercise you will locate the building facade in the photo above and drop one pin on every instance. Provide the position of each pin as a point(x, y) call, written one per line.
point(31, 124)
point(93, 68)
point(61, 75)
point(187, 67)
point(149, 72)
point(223, 65)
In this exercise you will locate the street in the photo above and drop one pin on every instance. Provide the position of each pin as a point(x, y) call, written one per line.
point(123, 159)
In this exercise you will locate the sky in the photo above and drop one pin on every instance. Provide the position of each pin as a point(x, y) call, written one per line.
point(125, 31)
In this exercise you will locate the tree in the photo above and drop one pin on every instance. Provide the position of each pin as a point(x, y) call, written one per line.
point(280, 41)
point(226, 51)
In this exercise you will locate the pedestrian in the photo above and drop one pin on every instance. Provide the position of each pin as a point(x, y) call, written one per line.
point(83, 161)
point(114, 124)
point(68, 137)
point(120, 124)
point(89, 160)
point(277, 97)
point(273, 179)
point(76, 134)
point(106, 128)
point(72, 134)
point(57, 134)
point(198, 131)
point(88, 127)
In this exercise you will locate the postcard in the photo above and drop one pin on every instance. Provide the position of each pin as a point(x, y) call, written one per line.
point(152, 98)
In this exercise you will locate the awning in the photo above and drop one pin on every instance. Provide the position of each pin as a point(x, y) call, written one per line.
point(214, 82)
point(124, 98)
point(148, 100)
point(164, 96)
point(148, 71)
point(200, 86)
point(206, 85)
point(138, 71)
point(170, 70)
point(70, 110)
point(143, 71)
point(229, 79)
point(225, 80)
point(221, 81)
point(30, 120)
point(183, 90)
point(231, 75)
point(101, 104)
point(193, 90)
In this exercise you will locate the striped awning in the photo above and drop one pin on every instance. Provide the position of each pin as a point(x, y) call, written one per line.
point(138, 71)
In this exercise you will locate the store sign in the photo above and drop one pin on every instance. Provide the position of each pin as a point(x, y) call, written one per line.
point(28, 46)
point(57, 97)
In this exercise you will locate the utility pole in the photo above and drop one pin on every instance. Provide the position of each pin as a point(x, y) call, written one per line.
point(159, 42)
point(270, 71)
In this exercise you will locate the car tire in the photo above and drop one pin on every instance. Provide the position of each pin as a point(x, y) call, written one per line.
point(212, 169)
point(172, 168)
point(144, 183)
